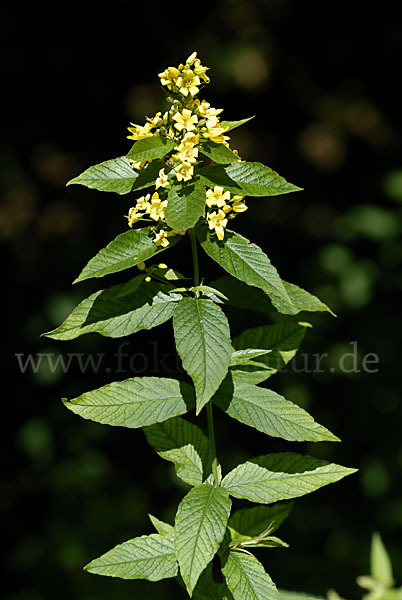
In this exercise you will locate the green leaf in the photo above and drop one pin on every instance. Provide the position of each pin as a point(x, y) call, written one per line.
point(246, 577)
point(150, 148)
point(269, 541)
point(246, 356)
point(219, 153)
point(149, 557)
point(207, 289)
point(116, 175)
point(248, 178)
point(241, 295)
point(303, 300)
point(269, 413)
point(202, 337)
point(283, 341)
point(185, 445)
point(208, 589)
point(229, 125)
point(282, 476)
point(186, 204)
point(134, 402)
point(164, 529)
point(127, 250)
point(199, 530)
point(118, 311)
point(246, 262)
point(253, 521)
point(380, 563)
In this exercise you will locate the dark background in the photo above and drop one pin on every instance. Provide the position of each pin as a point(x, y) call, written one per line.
point(322, 79)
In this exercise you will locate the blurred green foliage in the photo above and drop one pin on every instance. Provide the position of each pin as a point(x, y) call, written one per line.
point(322, 84)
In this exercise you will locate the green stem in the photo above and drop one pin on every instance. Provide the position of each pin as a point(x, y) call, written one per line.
point(211, 431)
point(211, 435)
point(195, 259)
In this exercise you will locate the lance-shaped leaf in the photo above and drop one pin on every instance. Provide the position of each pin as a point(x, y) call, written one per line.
point(134, 402)
point(185, 445)
point(219, 153)
point(241, 295)
point(248, 178)
point(244, 357)
point(283, 341)
point(200, 526)
point(149, 557)
point(164, 529)
point(302, 300)
point(246, 578)
point(125, 251)
point(246, 262)
point(186, 204)
point(208, 589)
point(380, 562)
point(269, 413)
point(202, 337)
point(251, 522)
point(265, 541)
point(117, 175)
point(150, 148)
point(229, 125)
point(267, 479)
point(119, 311)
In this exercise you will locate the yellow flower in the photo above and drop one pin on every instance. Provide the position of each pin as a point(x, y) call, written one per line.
point(138, 164)
point(168, 76)
point(161, 238)
point(185, 120)
point(216, 135)
point(239, 207)
point(147, 279)
point(156, 207)
point(184, 171)
point(155, 121)
point(214, 131)
point(238, 204)
point(143, 203)
point(162, 180)
point(188, 82)
point(206, 110)
point(133, 216)
point(200, 70)
point(139, 132)
point(137, 212)
point(217, 197)
point(141, 266)
point(218, 221)
point(187, 153)
point(191, 138)
point(193, 104)
point(191, 58)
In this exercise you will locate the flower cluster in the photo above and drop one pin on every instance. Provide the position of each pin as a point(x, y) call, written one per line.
point(222, 205)
point(153, 208)
point(188, 122)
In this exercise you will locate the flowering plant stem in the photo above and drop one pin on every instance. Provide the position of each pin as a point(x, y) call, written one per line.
point(200, 186)
point(210, 415)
